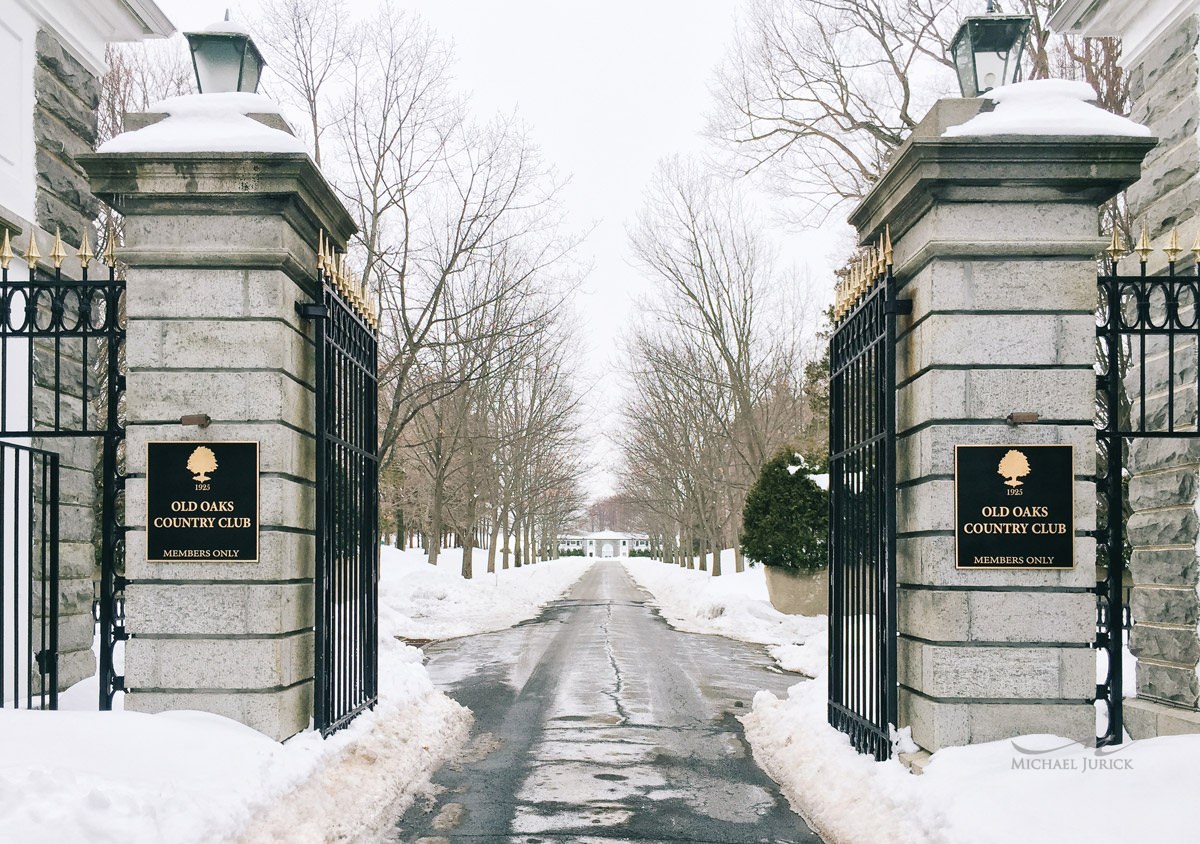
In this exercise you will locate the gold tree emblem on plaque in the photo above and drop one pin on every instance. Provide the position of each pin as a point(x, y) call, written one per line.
point(201, 463)
point(1013, 465)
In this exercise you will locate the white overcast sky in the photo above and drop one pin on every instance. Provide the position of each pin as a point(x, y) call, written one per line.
point(607, 89)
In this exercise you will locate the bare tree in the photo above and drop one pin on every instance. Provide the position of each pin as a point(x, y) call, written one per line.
point(305, 42)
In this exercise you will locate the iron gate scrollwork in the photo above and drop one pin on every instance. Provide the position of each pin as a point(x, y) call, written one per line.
point(61, 351)
point(862, 502)
point(1143, 323)
point(346, 667)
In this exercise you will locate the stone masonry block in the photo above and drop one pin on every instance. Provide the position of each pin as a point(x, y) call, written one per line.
point(934, 614)
point(997, 722)
point(282, 556)
point(216, 609)
point(992, 394)
point(263, 294)
point(1005, 285)
point(1146, 455)
point(1007, 340)
point(997, 673)
point(1165, 644)
point(1146, 719)
point(1169, 683)
point(242, 663)
point(1150, 491)
point(158, 396)
point(1163, 566)
point(929, 560)
point(74, 666)
point(279, 714)
point(1168, 526)
point(265, 344)
point(1165, 605)
point(934, 724)
point(1032, 617)
point(1018, 223)
point(1175, 50)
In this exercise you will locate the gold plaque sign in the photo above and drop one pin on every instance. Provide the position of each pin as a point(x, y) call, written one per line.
point(202, 502)
point(1014, 507)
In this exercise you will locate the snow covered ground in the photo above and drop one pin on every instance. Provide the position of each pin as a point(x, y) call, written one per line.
point(733, 605)
point(195, 777)
point(1033, 789)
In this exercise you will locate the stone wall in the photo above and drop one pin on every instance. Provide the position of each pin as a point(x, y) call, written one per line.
point(64, 124)
point(65, 98)
point(1164, 526)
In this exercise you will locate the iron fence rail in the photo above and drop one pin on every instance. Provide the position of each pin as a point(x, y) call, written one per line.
point(862, 569)
point(1144, 324)
point(347, 536)
point(61, 354)
point(29, 577)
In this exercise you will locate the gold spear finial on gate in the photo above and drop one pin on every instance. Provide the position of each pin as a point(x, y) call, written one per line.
point(110, 247)
point(1196, 249)
point(32, 256)
point(84, 254)
point(887, 248)
point(6, 253)
point(882, 256)
point(1172, 248)
point(320, 250)
point(1144, 248)
point(58, 252)
point(1115, 250)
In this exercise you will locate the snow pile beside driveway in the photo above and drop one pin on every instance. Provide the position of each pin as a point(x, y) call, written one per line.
point(422, 601)
point(128, 777)
point(132, 778)
point(734, 605)
point(1032, 789)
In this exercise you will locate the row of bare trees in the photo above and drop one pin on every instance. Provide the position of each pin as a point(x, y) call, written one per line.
point(462, 244)
point(717, 367)
point(817, 93)
point(461, 238)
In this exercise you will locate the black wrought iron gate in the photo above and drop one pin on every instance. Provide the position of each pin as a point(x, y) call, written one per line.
point(1145, 324)
point(862, 523)
point(347, 577)
point(61, 351)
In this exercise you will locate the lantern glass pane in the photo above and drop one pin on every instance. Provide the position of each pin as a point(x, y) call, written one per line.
point(964, 63)
point(990, 67)
point(251, 67)
point(218, 62)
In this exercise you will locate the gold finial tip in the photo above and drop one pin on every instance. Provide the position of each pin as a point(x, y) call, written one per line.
point(32, 256)
point(1172, 248)
point(6, 253)
point(58, 252)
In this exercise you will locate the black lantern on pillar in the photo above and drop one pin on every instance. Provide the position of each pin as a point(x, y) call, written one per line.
point(225, 59)
point(987, 50)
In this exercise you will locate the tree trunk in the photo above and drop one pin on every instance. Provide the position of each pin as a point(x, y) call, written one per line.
point(518, 534)
point(495, 534)
point(400, 543)
point(739, 559)
point(716, 556)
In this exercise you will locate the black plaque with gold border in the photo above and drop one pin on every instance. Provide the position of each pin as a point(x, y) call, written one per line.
point(202, 502)
point(1014, 507)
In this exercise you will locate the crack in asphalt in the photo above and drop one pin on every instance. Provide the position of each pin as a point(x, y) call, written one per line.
point(612, 661)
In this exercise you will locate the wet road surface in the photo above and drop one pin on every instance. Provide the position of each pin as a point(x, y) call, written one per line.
point(597, 722)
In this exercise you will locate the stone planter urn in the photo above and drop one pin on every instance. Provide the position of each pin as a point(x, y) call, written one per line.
point(796, 592)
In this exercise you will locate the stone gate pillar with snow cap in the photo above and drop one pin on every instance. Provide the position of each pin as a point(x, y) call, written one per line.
point(992, 208)
point(222, 214)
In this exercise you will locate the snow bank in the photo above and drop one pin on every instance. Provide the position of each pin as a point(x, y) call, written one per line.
point(1033, 789)
point(422, 601)
point(734, 605)
point(128, 777)
point(1046, 107)
point(208, 123)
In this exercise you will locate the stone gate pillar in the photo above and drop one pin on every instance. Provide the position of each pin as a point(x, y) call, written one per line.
point(995, 244)
point(219, 248)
